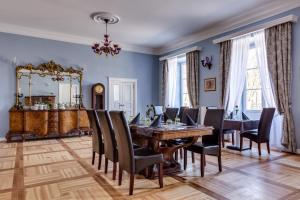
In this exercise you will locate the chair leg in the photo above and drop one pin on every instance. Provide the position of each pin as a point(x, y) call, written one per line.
point(176, 155)
point(99, 161)
point(268, 147)
point(184, 158)
point(131, 183)
point(106, 165)
point(114, 171)
point(180, 153)
point(223, 143)
point(250, 144)
point(202, 164)
point(241, 143)
point(259, 148)
point(120, 175)
point(193, 157)
point(93, 158)
point(232, 138)
point(161, 174)
point(220, 163)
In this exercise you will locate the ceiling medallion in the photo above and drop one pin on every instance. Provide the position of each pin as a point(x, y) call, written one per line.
point(105, 46)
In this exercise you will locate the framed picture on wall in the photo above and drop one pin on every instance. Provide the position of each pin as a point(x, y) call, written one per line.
point(209, 84)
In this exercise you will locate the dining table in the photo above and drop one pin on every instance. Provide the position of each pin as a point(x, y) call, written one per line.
point(158, 139)
point(239, 126)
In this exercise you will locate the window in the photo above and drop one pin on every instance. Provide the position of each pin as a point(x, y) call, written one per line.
point(252, 93)
point(185, 100)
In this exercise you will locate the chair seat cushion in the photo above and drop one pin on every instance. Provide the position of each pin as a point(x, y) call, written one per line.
point(250, 134)
point(201, 148)
point(144, 158)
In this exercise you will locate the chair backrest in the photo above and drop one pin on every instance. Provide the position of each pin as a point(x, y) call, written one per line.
point(171, 113)
point(192, 112)
point(180, 113)
point(265, 123)
point(105, 126)
point(124, 141)
point(158, 110)
point(214, 118)
point(97, 136)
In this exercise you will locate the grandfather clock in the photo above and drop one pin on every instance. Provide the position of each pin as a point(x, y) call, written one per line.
point(98, 96)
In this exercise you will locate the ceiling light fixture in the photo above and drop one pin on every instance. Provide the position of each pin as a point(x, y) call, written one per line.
point(107, 47)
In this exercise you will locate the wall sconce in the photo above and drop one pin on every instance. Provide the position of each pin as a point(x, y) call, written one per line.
point(207, 62)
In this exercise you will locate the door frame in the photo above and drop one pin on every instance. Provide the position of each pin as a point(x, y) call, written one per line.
point(134, 81)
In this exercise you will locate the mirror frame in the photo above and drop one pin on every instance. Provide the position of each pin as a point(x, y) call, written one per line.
point(50, 68)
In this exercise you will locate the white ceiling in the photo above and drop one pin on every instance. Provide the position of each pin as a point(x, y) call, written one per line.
point(152, 26)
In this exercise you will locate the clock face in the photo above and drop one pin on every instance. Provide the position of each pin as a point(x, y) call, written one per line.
point(98, 89)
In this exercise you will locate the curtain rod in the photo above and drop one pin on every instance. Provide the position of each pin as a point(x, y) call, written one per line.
point(181, 52)
point(289, 18)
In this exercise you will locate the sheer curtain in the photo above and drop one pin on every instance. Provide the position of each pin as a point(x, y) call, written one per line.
point(266, 87)
point(237, 72)
point(172, 82)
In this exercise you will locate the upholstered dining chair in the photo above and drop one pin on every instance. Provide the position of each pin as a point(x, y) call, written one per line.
point(170, 113)
point(181, 110)
point(262, 134)
point(192, 113)
point(130, 160)
point(110, 148)
point(211, 144)
point(97, 142)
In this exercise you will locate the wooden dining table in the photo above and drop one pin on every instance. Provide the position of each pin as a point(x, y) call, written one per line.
point(158, 139)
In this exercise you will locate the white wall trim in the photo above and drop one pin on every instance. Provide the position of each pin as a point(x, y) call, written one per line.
point(111, 79)
point(238, 21)
point(289, 18)
point(51, 35)
point(2, 139)
point(181, 52)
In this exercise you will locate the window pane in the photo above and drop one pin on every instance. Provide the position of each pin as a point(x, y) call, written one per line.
point(253, 100)
point(253, 79)
point(184, 93)
point(252, 60)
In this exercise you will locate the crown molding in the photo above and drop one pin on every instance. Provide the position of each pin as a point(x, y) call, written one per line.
point(238, 21)
point(38, 33)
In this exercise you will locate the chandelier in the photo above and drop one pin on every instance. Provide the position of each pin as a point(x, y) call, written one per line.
point(105, 46)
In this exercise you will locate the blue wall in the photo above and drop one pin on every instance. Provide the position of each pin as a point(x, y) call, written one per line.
point(139, 66)
point(210, 49)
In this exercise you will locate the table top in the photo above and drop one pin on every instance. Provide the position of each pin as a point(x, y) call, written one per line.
point(168, 132)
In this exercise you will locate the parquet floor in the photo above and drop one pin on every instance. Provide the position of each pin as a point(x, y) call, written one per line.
point(61, 169)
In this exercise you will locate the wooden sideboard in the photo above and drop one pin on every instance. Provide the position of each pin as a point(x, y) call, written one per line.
point(46, 123)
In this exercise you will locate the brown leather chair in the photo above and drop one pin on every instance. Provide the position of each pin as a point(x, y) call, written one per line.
point(170, 113)
point(110, 147)
point(192, 112)
point(262, 134)
point(211, 144)
point(181, 110)
point(129, 160)
point(97, 145)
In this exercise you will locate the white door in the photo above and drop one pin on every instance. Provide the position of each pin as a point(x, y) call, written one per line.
point(122, 95)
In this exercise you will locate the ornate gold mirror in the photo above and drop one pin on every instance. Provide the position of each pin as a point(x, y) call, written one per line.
point(49, 85)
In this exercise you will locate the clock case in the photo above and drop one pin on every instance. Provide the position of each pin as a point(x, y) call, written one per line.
point(98, 99)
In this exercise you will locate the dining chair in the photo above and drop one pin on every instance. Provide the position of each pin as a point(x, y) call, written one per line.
point(187, 113)
point(130, 160)
point(211, 144)
point(110, 148)
point(97, 142)
point(170, 113)
point(262, 134)
point(181, 109)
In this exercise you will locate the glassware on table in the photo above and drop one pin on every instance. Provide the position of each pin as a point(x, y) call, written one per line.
point(177, 120)
point(169, 122)
point(147, 121)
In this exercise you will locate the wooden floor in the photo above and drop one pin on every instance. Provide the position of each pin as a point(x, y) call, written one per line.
point(61, 169)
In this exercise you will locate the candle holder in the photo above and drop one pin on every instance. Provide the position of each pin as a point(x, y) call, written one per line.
point(18, 104)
